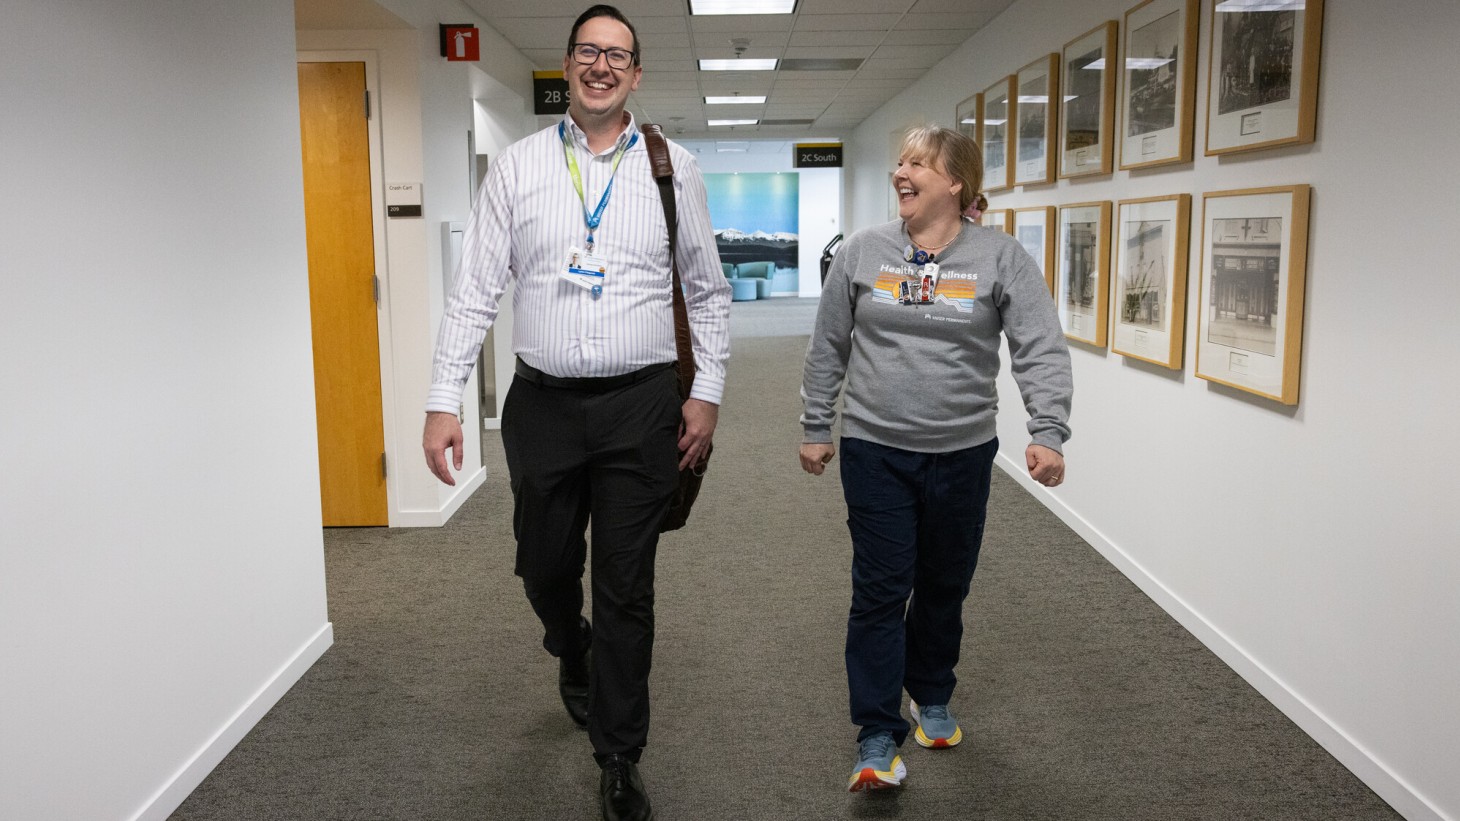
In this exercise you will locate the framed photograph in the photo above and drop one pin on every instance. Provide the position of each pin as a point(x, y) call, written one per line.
point(1081, 288)
point(1038, 89)
point(1262, 79)
point(997, 218)
point(1034, 228)
point(1157, 106)
point(1254, 262)
point(995, 110)
point(1087, 107)
point(965, 117)
point(1148, 310)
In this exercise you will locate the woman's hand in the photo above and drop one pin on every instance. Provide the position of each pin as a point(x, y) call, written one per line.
point(1046, 466)
point(815, 456)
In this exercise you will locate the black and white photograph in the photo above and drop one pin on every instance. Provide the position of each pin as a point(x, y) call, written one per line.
point(1254, 260)
point(994, 107)
point(997, 219)
point(1034, 153)
point(1157, 108)
point(1087, 107)
point(965, 117)
point(1149, 303)
point(1152, 55)
point(1033, 228)
point(1140, 291)
point(1262, 75)
point(1084, 260)
point(1033, 108)
point(1242, 308)
point(1257, 59)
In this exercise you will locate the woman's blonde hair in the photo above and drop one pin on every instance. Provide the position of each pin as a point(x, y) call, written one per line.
point(954, 152)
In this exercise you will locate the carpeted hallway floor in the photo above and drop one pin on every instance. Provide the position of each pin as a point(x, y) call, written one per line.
point(1080, 699)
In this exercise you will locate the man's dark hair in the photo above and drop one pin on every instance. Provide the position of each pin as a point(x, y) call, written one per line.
point(603, 10)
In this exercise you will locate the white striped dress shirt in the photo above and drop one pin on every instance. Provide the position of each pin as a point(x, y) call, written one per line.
point(527, 215)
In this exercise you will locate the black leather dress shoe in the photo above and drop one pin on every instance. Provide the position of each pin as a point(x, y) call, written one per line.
point(623, 793)
point(573, 676)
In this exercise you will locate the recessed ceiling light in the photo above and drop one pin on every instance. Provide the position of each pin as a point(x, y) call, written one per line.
point(738, 65)
point(742, 6)
point(732, 147)
point(734, 100)
point(733, 122)
point(1260, 5)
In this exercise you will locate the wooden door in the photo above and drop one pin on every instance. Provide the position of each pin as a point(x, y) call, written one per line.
point(342, 293)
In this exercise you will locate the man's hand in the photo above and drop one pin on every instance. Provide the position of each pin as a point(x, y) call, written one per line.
point(815, 456)
point(443, 432)
point(696, 430)
point(1046, 466)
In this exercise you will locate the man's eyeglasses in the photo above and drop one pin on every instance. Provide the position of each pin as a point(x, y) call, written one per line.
point(587, 54)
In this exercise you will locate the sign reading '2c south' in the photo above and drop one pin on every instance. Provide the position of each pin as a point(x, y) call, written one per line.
point(817, 155)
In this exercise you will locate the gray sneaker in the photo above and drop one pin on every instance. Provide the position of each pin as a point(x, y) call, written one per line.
point(937, 728)
point(878, 765)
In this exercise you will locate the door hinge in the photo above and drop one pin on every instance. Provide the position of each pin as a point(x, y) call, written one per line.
point(384, 470)
point(375, 280)
point(367, 104)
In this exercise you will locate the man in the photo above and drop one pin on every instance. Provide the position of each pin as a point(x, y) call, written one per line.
point(593, 428)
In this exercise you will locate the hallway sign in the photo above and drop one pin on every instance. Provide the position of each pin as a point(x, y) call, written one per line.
point(549, 93)
point(817, 155)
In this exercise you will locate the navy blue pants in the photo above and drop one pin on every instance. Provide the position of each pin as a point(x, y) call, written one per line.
point(916, 521)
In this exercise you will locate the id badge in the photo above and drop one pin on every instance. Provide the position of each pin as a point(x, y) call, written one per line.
point(587, 271)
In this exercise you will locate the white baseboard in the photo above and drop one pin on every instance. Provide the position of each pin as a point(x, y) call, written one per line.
point(1387, 784)
point(465, 487)
point(171, 795)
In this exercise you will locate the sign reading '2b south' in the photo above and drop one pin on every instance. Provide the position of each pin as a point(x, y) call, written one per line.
point(818, 155)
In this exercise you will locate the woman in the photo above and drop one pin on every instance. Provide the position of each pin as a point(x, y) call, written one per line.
point(928, 296)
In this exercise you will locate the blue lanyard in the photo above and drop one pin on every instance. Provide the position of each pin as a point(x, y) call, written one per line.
point(594, 218)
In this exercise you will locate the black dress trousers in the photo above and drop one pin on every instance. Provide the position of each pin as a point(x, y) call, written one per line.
point(580, 455)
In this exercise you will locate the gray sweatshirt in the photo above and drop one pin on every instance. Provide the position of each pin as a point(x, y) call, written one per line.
point(919, 375)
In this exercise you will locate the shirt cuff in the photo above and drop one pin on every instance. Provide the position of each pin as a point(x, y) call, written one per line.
point(708, 388)
point(444, 398)
point(815, 435)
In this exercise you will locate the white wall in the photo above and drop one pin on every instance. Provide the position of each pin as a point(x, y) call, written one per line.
point(1313, 548)
point(161, 570)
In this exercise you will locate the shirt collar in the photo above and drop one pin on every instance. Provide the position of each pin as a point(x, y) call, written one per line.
point(580, 138)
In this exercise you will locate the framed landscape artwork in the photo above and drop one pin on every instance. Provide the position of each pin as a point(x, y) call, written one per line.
point(1037, 110)
point(1034, 229)
point(995, 110)
point(1081, 286)
point(1263, 74)
point(1087, 108)
point(1254, 264)
point(1148, 310)
point(998, 219)
point(1157, 107)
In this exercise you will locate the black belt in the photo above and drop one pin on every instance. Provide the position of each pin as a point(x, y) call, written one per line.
point(590, 384)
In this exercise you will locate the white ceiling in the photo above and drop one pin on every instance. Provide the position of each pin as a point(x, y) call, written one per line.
point(897, 40)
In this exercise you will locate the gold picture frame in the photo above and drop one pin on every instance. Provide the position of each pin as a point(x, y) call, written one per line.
point(1150, 250)
point(1087, 103)
point(998, 218)
point(1158, 95)
point(1034, 228)
point(1254, 256)
point(1037, 121)
point(1082, 284)
point(1262, 75)
point(996, 108)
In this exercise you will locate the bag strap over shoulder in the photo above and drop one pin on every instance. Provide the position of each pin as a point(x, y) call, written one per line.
point(663, 170)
